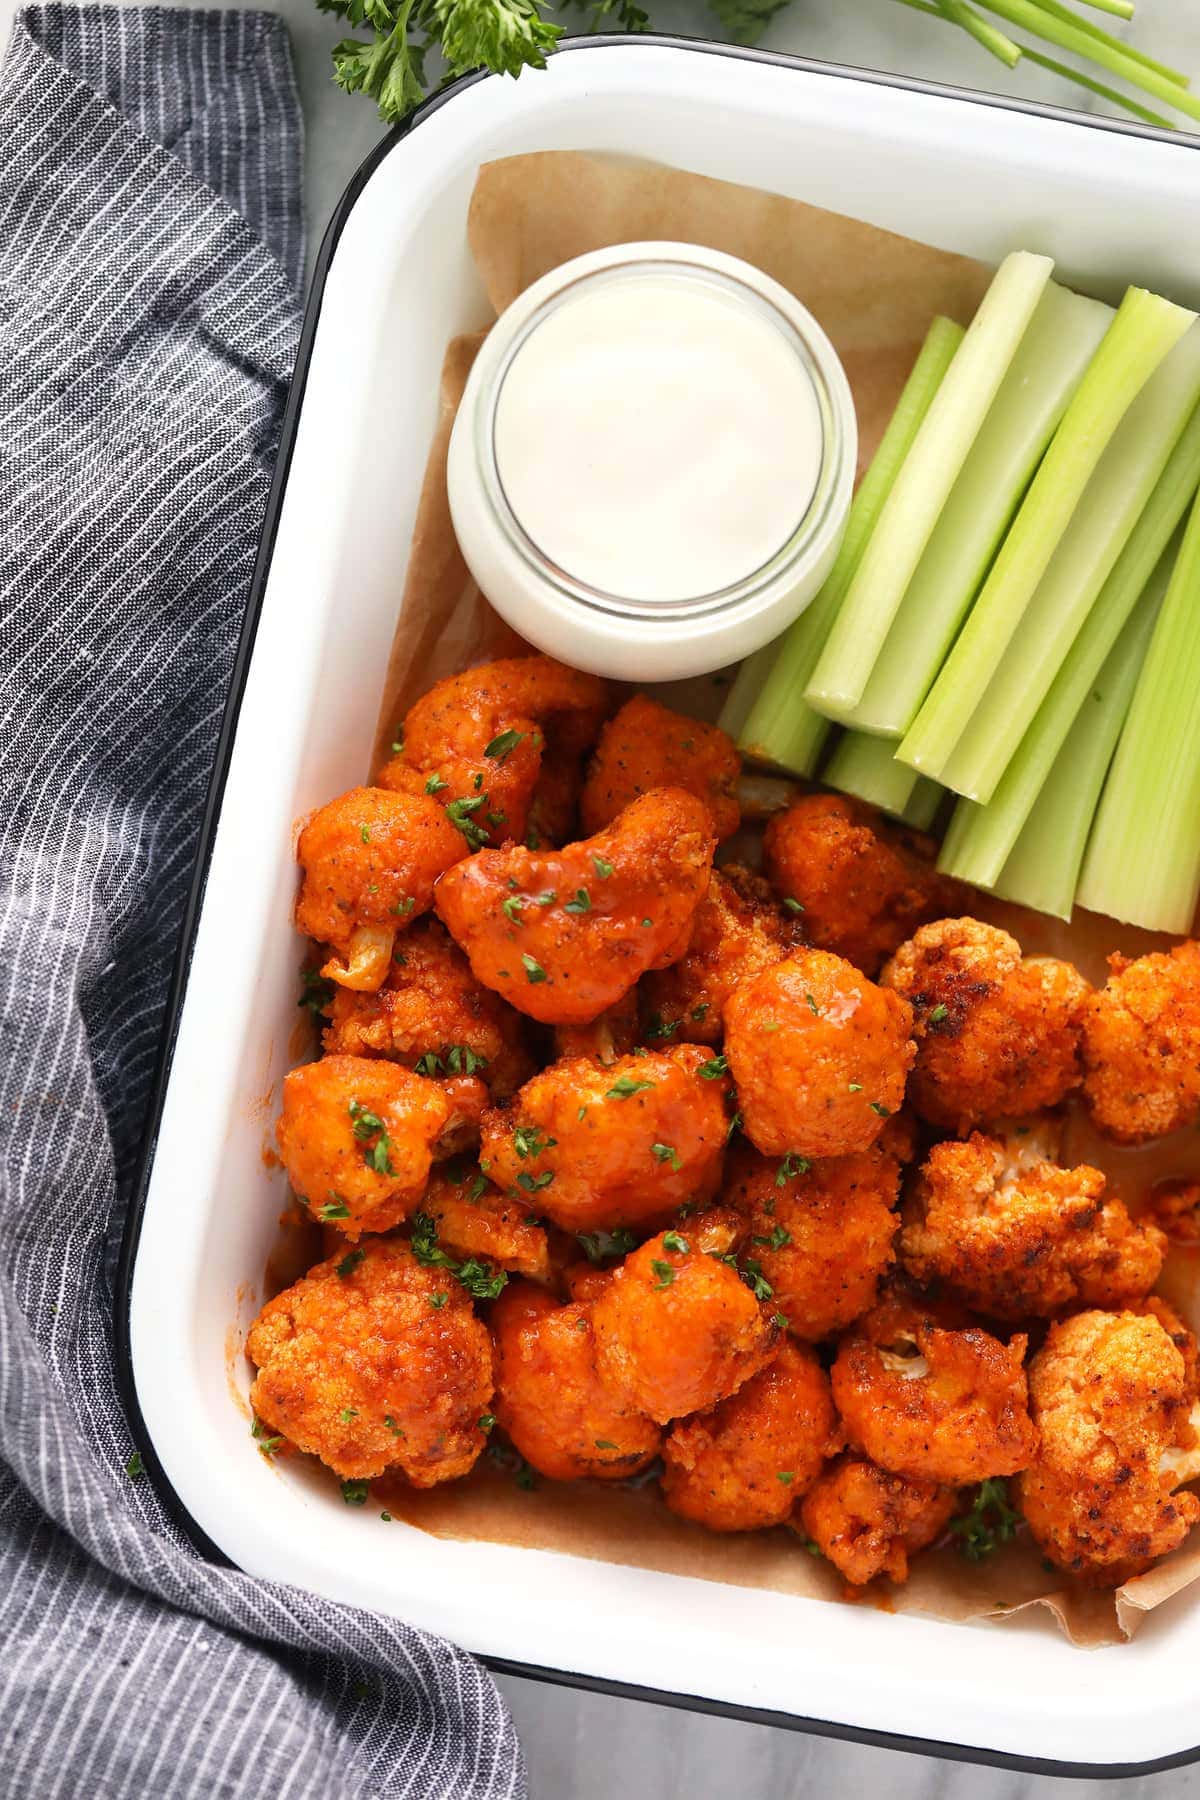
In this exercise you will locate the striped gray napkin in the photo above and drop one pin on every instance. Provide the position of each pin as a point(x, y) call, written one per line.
point(151, 248)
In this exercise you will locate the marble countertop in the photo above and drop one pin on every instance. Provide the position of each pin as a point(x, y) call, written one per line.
point(591, 1747)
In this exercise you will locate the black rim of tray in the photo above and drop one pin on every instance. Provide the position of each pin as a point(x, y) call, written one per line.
point(139, 1186)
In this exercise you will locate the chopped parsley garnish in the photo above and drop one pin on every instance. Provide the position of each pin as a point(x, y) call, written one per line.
point(486, 1421)
point(268, 1444)
point(673, 1241)
point(789, 1168)
point(393, 1427)
point(528, 1140)
point(369, 1126)
point(135, 1466)
point(597, 1245)
point(334, 1209)
point(354, 1493)
point(438, 1300)
point(646, 924)
point(751, 1273)
point(430, 1064)
point(667, 1153)
point(365, 833)
point(349, 1263)
point(734, 1122)
point(545, 899)
point(348, 1413)
point(401, 910)
point(386, 1517)
point(605, 1444)
point(581, 903)
point(937, 1015)
point(664, 1271)
point(712, 1071)
point(625, 1087)
point(778, 1238)
point(884, 1112)
point(435, 784)
point(793, 906)
point(780, 1319)
point(459, 814)
point(504, 745)
point(315, 993)
point(533, 1184)
point(512, 909)
point(603, 867)
point(812, 1546)
point(477, 1188)
point(854, 1087)
point(992, 1521)
point(662, 1028)
point(787, 1476)
point(699, 1012)
point(461, 1060)
point(534, 971)
point(479, 1279)
point(813, 1008)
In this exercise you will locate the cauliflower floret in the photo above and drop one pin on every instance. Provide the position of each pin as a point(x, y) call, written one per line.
point(473, 1221)
point(997, 1035)
point(565, 934)
point(369, 862)
point(738, 932)
point(595, 1146)
point(1109, 1398)
point(743, 1466)
point(819, 1056)
point(432, 1014)
point(822, 1232)
point(677, 1330)
point(609, 1036)
point(647, 746)
point(478, 741)
point(1016, 1237)
point(931, 1402)
point(868, 1522)
point(863, 884)
point(550, 1399)
point(372, 1362)
point(1141, 1046)
point(357, 1139)
point(1175, 1208)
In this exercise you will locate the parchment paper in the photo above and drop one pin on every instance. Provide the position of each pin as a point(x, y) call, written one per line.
point(875, 294)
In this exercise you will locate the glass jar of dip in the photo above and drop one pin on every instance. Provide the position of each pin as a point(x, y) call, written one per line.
point(653, 460)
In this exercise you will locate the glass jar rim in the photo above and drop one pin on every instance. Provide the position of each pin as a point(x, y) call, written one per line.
point(690, 263)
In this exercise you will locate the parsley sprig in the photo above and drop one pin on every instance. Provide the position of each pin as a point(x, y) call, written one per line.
point(990, 1522)
point(481, 1281)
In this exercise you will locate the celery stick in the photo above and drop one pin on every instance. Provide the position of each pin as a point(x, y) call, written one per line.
point(1082, 38)
point(1001, 47)
point(1144, 113)
point(1092, 30)
point(1145, 328)
point(1125, 478)
point(1049, 364)
point(921, 488)
point(1043, 869)
point(867, 768)
point(1143, 857)
point(775, 725)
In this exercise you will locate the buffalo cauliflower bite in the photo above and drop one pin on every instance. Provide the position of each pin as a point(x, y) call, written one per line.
point(431, 1013)
point(1110, 1401)
point(551, 1401)
point(930, 1402)
point(742, 1466)
point(738, 932)
point(565, 934)
point(647, 746)
point(369, 862)
point(677, 1330)
point(997, 1034)
point(477, 740)
point(472, 1221)
point(1016, 1236)
point(1141, 1046)
point(594, 1146)
point(610, 1035)
point(357, 1139)
point(862, 884)
point(1175, 1208)
point(822, 1232)
point(372, 1362)
point(819, 1056)
point(1184, 1340)
point(868, 1522)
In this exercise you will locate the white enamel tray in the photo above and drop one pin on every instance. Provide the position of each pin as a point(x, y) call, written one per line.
point(395, 282)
